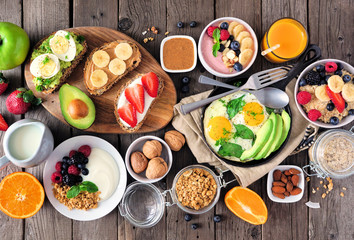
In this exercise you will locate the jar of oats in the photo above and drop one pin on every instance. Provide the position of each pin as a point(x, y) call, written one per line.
point(332, 155)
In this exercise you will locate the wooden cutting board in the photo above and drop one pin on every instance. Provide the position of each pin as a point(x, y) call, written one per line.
point(158, 117)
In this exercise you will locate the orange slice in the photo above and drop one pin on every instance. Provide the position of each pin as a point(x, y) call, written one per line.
point(21, 195)
point(247, 205)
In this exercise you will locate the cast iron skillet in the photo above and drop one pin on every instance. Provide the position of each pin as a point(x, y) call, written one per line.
point(297, 69)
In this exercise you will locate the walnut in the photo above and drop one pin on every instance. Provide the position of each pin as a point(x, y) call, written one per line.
point(156, 168)
point(152, 149)
point(175, 140)
point(138, 161)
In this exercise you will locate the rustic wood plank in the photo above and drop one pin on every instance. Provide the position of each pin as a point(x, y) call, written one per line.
point(11, 12)
point(39, 20)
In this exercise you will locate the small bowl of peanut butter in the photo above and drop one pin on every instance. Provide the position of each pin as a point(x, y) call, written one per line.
point(178, 54)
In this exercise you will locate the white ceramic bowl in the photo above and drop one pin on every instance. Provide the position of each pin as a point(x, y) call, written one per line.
point(209, 68)
point(291, 198)
point(137, 145)
point(105, 206)
point(182, 70)
point(348, 119)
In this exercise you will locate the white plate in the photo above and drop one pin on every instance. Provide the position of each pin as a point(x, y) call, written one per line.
point(104, 207)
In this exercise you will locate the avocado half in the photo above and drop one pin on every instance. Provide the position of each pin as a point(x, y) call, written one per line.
point(76, 107)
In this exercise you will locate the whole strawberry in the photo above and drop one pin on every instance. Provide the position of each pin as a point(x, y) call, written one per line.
point(19, 101)
point(3, 83)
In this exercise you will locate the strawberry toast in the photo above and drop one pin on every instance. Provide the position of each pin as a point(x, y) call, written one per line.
point(135, 99)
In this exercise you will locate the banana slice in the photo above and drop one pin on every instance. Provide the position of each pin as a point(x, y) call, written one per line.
point(245, 56)
point(101, 58)
point(231, 54)
point(239, 28)
point(246, 43)
point(321, 93)
point(123, 51)
point(99, 78)
point(335, 83)
point(242, 35)
point(348, 92)
point(232, 25)
point(117, 66)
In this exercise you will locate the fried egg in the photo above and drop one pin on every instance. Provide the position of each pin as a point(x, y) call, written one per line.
point(45, 66)
point(63, 46)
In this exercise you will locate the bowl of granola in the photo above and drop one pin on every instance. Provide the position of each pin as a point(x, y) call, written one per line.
point(324, 93)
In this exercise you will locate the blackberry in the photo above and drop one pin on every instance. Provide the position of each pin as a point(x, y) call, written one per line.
point(313, 78)
point(64, 166)
point(78, 157)
point(66, 179)
point(323, 82)
point(78, 179)
point(65, 159)
point(338, 72)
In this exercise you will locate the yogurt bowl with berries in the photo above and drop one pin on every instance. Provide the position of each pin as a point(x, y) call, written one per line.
point(227, 47)
point(324, 93)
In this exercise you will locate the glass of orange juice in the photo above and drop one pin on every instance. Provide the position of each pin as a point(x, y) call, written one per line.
point(291, 38)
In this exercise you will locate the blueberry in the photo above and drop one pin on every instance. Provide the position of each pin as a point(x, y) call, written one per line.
point(323, 82)
point(71, 161)
point(180, 25)
point(330, 106)
point(85, 161)
point(237, 52)
point(320, 68)
point(193, 24)
point(334, 120)
point(351, 112)
point(224, 25)
point(85, 171)
point(231, 38)
point(322, 74)
point(194, 226)
point(217, 218)
point(338, 72)
point(339, 66)
point(187, 217)
point(81, 165)
point(64, 166)
point(238, 67)
point(345, 105)
point(63, 172)
point(78, 179)
point(327, 77)
point(222, 48)
point(346, 78)
point(235, 45)
point(185, 89)
point(302, 82)
point(65, 159)
point(185, 80)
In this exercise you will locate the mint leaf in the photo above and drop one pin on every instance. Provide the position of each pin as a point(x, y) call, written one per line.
point(216, 34)
point(216, 46)
point(73, 191)
point(90, 186)
point(230, 149)
point(243, 132)
point(234, 106)
point(84, 186)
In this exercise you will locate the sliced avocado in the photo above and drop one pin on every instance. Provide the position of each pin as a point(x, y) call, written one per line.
point(278, 133)
point(76, 107)
point(261, 138)
point(286, 127)
point(267, 146)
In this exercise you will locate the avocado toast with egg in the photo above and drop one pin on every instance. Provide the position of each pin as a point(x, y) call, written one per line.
point(54, 58)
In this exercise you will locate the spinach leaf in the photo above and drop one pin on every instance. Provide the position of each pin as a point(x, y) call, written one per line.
point(234, 106)
point(243, 132)
point(230, 149)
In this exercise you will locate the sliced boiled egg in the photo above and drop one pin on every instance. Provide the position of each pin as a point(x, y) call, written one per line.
point(45, 66)
point(63, 46)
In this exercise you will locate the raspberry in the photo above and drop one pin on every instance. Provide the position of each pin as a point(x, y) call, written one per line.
point(85, 149)
point(210, 31)
point(331, 67)
point(224, 35)
point(303, 97)
point(56, 177)
point(73, 170)
point(58, 166)
point(72, 152)
point(314, 114)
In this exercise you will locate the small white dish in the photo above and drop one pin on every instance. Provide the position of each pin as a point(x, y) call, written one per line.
point(137, 146)
point(348, 119)
point(181, 70)
point(228, 75)
point(104, 207)
point(291, 198)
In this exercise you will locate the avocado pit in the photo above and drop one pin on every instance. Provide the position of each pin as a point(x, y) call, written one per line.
point(77, 109)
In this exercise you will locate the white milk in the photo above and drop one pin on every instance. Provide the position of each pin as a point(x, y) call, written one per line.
point(24, 141)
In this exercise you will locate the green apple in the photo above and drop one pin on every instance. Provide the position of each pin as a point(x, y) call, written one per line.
point(14, 45)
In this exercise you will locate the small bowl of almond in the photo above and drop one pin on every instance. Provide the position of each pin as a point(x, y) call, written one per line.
point(285, 184)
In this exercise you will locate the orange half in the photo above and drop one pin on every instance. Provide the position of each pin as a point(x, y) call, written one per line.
point(247, 205)
point(21, 195)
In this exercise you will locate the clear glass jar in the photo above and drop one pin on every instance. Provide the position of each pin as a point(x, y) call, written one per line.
point(332, 154)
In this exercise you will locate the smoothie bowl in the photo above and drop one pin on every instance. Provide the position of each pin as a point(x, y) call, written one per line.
point(227, 47)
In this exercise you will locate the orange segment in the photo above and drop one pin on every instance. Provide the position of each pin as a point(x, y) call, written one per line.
point(21, 195)
point(247, 205)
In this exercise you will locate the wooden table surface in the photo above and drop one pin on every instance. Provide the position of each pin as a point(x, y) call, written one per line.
point(330, 25)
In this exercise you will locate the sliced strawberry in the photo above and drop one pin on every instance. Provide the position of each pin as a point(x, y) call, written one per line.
point(3, 124)
point(337, 99)
point(128, 114)
point(151, 84)
point(135, 95)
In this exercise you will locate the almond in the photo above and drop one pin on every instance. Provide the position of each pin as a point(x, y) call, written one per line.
point(276, 175)
point(295, 180)
point(279, 195)
point(294, 171)
point(289, 178)
point(287, 173)
point(278, 189)
point(289, 187)
point(296, 190)
point(283, 178)
point(278, 183)
point(287, 194)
